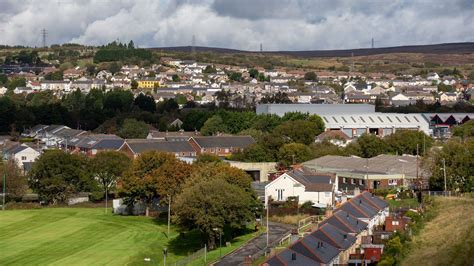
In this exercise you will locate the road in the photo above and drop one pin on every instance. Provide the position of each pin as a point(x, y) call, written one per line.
point(237, 257)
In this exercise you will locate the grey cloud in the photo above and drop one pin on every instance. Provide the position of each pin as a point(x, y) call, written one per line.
point(244, 24)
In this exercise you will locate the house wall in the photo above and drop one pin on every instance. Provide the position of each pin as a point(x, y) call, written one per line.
point(292, 188)
point(27, 155)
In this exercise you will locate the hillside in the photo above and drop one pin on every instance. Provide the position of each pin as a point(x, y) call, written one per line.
point(445, 48)
point(449, 238)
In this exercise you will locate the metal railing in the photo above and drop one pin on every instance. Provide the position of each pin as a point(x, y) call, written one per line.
point(195, 256)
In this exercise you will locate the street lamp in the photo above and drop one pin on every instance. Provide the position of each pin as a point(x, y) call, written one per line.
point(165, 252)
point(220, 240)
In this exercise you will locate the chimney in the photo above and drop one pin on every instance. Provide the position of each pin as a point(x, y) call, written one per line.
point(328, 212)
point(293, 256)
point(345, 236)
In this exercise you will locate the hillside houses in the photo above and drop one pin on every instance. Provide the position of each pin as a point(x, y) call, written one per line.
point(337, 237)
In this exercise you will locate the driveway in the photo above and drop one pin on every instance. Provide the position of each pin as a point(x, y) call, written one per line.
point(277, 231)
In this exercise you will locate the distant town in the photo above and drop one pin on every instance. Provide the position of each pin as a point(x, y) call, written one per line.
point(238, 163)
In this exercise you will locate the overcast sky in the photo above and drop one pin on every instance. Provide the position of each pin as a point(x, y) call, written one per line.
point(239, 24)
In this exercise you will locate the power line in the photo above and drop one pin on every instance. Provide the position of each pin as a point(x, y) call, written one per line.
point(44, 34)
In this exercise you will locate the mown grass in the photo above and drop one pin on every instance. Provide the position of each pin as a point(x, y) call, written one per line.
point(448, 239)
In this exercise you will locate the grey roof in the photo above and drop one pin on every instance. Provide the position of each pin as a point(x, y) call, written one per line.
point(313, 181)
point(334, 236)
point(95, 141)
point(224, 141)
point(376, 120)
point(345, 222)
point(68, 133)
point(381, 164)
point(143, 145)
point(109, 144)
point(315, 249)
point(320, 109)
point(363, 206)
point(459, 117)
point(16, 149)
point(285, 258)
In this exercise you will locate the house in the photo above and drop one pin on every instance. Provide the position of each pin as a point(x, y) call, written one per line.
point(304, 184)
point(25, 90)
point(23, 155)
point(448, 97)
point(177, 123)
point(148, 83)
point(345, 242)
point(220, 145)
point(336, 137)
point(91, 144)
point(3, 90)
point(134, 147)
point(180, 135)
point(396, 223)
point(56, 85)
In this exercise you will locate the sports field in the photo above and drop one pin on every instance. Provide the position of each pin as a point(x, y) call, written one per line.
point(80, 236)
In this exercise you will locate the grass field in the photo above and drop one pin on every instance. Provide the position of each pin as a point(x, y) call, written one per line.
point(82, 236)
point(448, 239)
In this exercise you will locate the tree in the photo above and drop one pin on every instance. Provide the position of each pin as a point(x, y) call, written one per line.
point(457, 157)
point(16, 82)
point(369, 145)
point(293, 153)
point(134, 84)
point(58, 75)
point(253, 73)
point(114, 67)
point(3, 79)
point(255, 153)
point(133, 129)
point(198, 206)
point(310, 76)
point(57, 175)
point(176, 78)
point(465, 130)
point(107, 167)
point(235, 76)
point(16, 184)
point(298, 131)
point(222, 171)
point(206, 158)
point(145, 102)
point(210, 69)
point(406, 141)
point(170, 177)
point(131, 45)
point(140, 183)
point(213, 125)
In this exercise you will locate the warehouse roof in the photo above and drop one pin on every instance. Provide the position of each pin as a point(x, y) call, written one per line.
point(376, 120)
point(319, 109)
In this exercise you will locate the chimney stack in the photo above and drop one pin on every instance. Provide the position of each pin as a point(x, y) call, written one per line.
point(293, 256)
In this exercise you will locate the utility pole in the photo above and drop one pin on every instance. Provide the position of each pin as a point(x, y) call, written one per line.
point(268, 212)
point(106, 197)
point(4, 189)
point(169, 214)
point(444, 173)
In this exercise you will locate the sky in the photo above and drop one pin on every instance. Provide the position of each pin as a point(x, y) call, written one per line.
point(239, 24)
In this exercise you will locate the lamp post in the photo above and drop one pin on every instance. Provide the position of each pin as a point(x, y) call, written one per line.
point(165, 252)
point(169, 214)
point(4, 189)
point(220, 240)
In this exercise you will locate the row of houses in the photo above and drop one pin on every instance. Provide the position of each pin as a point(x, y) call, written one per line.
point(342, 234)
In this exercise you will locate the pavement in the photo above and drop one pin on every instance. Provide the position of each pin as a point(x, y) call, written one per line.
point(277, 231)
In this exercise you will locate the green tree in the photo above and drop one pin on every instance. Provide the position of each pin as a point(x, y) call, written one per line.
point(213, 125)
point(176, 78)
point(58, 75)
point(206, 158)
point(235, 76)
point(16, 82)
point(145, 102)
point(369, 145)
point(255, 153)
point(253, 73)
point(310, 76)
point(298, 131)
point(465, 130)
point(198, 206)
point(210, 69)
point(57, 175)
point(222, 171)
point(459, 166)
point(107, 167)
point(292, 153)
point(114, 67)
point(133, 129)
point(3, 79)
point(406, 141)
point(266, 122)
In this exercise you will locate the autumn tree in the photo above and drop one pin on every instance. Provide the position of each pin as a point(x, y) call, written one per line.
point(16, 183)
point(141, 182)
point(107, 167)
point(300, 131)
point(170, 177)
point(222, 171)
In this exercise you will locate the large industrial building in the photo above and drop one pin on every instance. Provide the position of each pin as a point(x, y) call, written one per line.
point(318, 109)
point(380, 124)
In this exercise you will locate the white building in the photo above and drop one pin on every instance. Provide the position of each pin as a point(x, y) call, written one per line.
point(22, 154)
point(311, 186)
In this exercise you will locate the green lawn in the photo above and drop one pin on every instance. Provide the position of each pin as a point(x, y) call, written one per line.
point(83, 236)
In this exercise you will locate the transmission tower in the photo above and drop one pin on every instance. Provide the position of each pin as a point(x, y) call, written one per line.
point(373, 43)
point(193, 50)
point(44, 34)
point(261, 47)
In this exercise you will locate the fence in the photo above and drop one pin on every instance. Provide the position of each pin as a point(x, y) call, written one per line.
point(196, 255)
point(303, 223)
point(281, 211)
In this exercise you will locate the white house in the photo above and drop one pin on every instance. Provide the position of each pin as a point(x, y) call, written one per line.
point(22, 154)
point(448, 97)
point(307, 185)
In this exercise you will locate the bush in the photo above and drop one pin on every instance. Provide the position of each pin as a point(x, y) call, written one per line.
point(307, 205)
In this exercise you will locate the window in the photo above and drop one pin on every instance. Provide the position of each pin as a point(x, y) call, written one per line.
point(361, 182)
point(23, 158)
point(392, 182)
point(395, 223)
point(353, 181)
point(344, 180)
point(280, 194)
